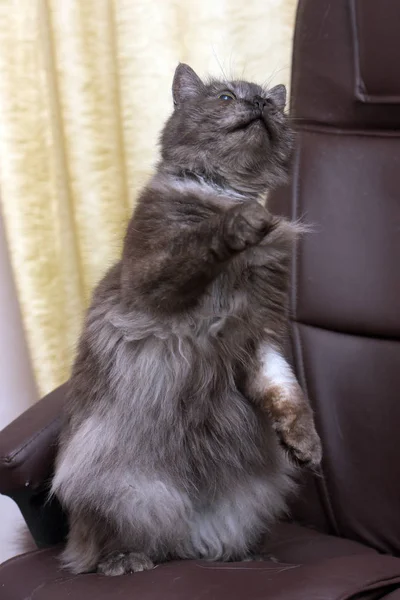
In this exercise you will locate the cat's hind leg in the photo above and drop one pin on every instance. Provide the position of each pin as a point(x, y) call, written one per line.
point(229, 528)
point(127, 527)
point(89, 550)
point(82, 551)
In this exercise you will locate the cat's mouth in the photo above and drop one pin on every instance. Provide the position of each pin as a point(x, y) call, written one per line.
point(259, 119)
point(245, 125)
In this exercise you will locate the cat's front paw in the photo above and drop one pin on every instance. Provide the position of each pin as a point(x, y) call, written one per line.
point(246, 225)
point(293, 421)
point(301, 439)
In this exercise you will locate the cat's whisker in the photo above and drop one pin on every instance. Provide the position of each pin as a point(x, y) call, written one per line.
point(219, 63)
point(275, 72)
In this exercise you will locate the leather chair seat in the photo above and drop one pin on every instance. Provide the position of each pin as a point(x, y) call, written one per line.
point(310, 565)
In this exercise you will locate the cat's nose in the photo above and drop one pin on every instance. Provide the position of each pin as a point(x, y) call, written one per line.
point(260, 102)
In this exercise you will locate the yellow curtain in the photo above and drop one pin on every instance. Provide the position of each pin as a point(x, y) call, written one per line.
point(84, 91)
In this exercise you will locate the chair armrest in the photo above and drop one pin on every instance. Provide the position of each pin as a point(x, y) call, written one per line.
point(28, 445)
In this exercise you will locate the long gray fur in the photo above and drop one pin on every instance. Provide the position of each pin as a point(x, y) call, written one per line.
point(165, 453)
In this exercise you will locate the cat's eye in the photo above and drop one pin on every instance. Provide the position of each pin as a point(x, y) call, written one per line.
point(226, 96)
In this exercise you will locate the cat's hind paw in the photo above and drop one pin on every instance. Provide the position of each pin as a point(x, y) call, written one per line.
point(121, 563)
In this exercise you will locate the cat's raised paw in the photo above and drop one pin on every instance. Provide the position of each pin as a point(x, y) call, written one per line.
point(121, 563)
point(246, 225)
point(302, 442)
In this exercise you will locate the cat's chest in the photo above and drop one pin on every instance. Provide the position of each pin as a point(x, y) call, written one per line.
point(227, 306)
point(234, 289)
point(222, 310)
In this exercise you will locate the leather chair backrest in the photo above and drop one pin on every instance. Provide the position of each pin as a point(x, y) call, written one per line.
point(346, 273)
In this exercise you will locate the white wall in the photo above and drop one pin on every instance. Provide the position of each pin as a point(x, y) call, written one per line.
point(17, 386)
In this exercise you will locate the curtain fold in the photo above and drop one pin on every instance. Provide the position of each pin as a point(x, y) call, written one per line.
point(84, 91)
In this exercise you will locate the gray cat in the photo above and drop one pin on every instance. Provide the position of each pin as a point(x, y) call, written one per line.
point(183, 412)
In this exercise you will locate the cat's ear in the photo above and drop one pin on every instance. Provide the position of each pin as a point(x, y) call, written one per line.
point(278, 95)
point(186, 84)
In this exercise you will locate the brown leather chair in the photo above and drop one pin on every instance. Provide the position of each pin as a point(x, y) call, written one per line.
point(345, 347)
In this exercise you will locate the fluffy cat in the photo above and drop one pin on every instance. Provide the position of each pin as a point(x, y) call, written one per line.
point(181, 404)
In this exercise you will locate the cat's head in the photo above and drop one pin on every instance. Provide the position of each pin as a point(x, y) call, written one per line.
point(235, 132)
